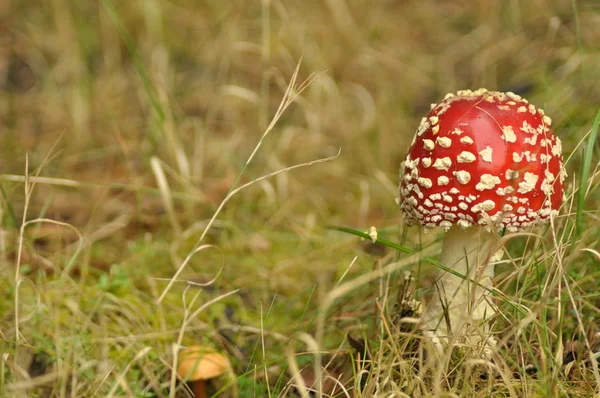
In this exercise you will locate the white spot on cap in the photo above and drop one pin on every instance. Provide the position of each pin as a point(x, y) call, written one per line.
point(454, 190)
point(466, 157)
point(442, 163)
point(447, 198)
point(423, 127)
point(428, 144)
point(510, 174)
point(522, 109)
point(428, 203)
point(486, 154)
point(513, 96)
point(450, 216)
point(508, 134)
point(557, 148)
point(466, 140)
point(435, 130)
point(446, 224)
point(504, 191)
point(464, 224)
point(517, 157)
point(527, 128)
point(463, 205)
point(443, 180)
point(530, 157)
point(463, 176)
point(411, 164)
point(531, 140)
point(562, 174)
point(486, 205)
point(444, 142)
point(547, 187)
point(434, 120)
point(456, 131)
point(426, 162)
point(487, 181)
point(528, 183)
point(442, 108)
point(425, 182)
point(547, 121)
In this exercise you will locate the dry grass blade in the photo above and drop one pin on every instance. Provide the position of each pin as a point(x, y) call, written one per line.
point(121, 379)
point(28, 190)
point(165, 190)
point(288, 99)
point(188, 259)
point(314, 349)
point(64, 182)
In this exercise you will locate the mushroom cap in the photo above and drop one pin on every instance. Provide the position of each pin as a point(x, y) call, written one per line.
point(201, 363)
point(482, 157)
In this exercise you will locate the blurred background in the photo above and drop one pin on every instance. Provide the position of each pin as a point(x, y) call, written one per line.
point(138, 116)
point(101, 87)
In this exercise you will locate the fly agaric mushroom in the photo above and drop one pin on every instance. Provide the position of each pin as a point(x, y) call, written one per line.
point(481, 162)
point(198, 364)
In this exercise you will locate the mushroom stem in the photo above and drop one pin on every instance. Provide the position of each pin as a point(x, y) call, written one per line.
point(466, 251)
point(199, 389)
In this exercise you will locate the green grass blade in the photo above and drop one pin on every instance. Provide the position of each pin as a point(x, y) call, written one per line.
point(398, 247)
point(586, 166)
point(12, 220)
point(431, 261)
point(137, 60)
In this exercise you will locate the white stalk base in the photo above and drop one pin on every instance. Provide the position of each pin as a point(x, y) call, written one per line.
point(460, 309)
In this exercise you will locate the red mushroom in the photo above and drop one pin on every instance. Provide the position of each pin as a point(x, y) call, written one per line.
point(481, 162)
